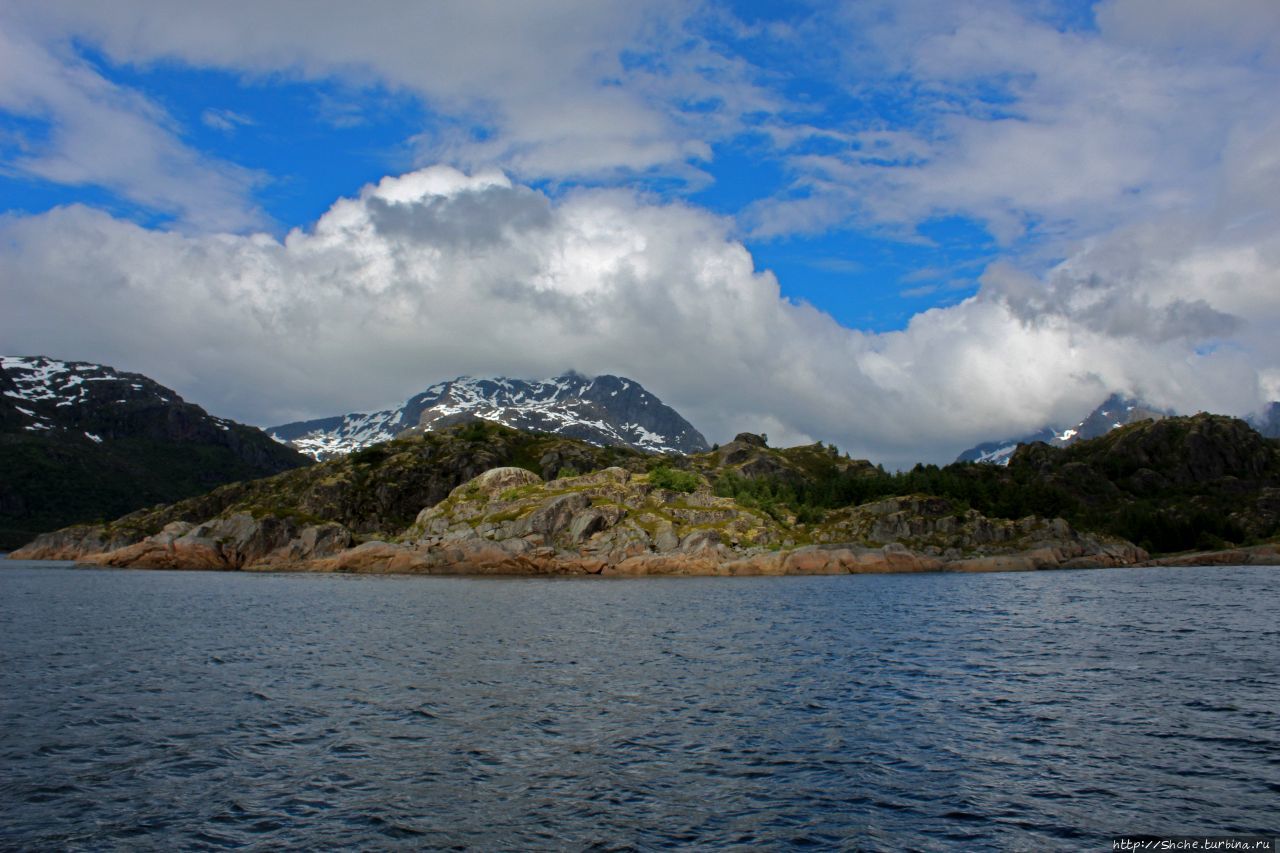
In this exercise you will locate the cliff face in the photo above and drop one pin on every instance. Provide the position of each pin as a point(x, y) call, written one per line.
point(82, 442)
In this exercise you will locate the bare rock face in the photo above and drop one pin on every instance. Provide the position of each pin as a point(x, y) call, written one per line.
point(510, 521)
point(71, 543)
point(497, 480)
point(231, 543)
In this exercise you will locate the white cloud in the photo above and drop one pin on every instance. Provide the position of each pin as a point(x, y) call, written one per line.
point(437, 273)
point(1224, 29)
point(104, 135)
point(561, 89)
point(1142, 153)
point(1021, 125)
point(224, 120)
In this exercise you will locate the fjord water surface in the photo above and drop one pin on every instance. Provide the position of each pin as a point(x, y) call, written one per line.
point(165, 710)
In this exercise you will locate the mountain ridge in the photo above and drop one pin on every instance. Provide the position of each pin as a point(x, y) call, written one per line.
point(81, 441)
point(605, 410)
point(1116, 411)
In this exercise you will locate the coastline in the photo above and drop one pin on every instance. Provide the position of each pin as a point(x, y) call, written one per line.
point(508, 521)
point(382, 558)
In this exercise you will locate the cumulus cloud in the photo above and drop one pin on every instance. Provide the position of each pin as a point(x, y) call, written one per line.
point(1128, 170)
point(438, 273)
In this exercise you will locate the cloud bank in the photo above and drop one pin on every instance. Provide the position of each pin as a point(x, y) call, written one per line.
point(438, 273)
point(1121, 155)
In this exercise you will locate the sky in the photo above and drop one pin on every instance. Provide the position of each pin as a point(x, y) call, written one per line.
point(901, 227)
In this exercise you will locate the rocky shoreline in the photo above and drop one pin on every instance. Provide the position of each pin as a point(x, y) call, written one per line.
point(614, 522)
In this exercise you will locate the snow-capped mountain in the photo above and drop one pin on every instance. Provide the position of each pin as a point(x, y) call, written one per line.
point(49, 395)
point(604, 410)
point(81, 441)
point(77, 402)
point(1115, 411)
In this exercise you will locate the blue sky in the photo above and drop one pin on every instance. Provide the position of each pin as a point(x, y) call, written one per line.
point(1029, 204)
point(309, 142)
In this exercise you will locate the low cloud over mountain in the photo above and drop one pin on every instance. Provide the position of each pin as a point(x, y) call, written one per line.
point(440, 273)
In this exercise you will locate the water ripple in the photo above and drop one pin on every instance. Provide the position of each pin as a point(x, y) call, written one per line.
point(158, 710)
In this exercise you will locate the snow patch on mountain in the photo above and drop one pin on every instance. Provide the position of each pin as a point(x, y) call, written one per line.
point(43, 381)
point(1114, 412)
point(603, 410)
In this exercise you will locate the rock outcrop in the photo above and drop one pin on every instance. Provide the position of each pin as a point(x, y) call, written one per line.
point(232, 543)
point(73, 543)
point(510, 521)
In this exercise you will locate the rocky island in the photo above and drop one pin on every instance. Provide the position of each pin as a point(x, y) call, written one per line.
point(480, 498)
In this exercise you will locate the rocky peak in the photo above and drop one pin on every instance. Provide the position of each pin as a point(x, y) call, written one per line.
point(604, 410)
point(1116, 411)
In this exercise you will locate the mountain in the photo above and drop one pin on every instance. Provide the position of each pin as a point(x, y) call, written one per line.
point(1268, 422)
point(1171, 484)
point(83, 442)
point(609, 411)
point(1115, 411)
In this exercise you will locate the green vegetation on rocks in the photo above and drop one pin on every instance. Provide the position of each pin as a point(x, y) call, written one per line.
point(379, 490)
point(1170, 485)
point(674, 479)
point(452, 500)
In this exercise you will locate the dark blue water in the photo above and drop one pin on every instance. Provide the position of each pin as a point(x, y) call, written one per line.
point(162, 710)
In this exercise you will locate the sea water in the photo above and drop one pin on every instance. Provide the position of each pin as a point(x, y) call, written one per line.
point(187, 710)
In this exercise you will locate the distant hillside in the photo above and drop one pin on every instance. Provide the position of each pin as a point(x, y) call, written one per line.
point(1268, 422)
point(606, 410)
point(379, 489)
point(1115, 411)
point(85, 442)
point(1175, 484)
point(480, 498)
point(1207, 482)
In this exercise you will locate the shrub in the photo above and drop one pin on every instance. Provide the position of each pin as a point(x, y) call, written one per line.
point(675, 480)
point(374, 454)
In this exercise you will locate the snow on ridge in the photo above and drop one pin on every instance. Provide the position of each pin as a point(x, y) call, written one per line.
point(41, 379)
point(555, 405)
point(999, 456)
